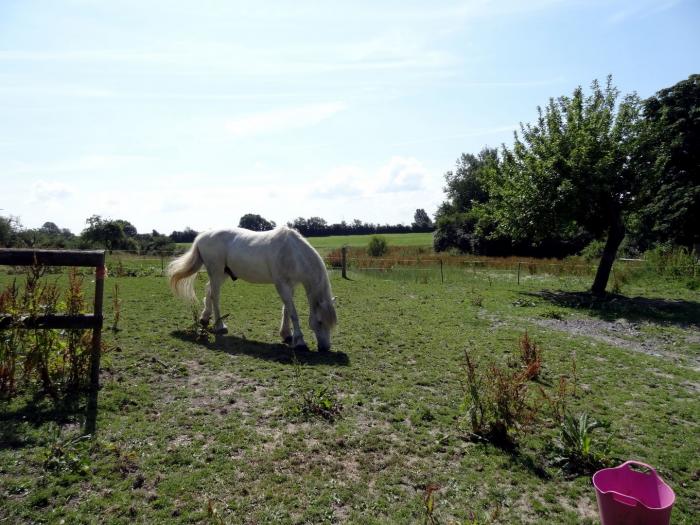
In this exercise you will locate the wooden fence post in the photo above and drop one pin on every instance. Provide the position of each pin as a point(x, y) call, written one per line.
point(91, 418)
point(519, 273)
point(442, 275)
point(344, 256)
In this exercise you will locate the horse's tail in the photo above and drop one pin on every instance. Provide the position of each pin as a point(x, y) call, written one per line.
point(183, 271)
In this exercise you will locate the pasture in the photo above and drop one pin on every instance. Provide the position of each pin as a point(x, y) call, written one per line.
point(331, 242)
point(226, 430)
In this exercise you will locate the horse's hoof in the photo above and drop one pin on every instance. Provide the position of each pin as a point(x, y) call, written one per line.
point(324, 349)
point(204, 322)
point(288, 340)
point(220, 331)
point(301, 348)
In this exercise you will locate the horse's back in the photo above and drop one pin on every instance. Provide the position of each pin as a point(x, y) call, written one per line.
point(252, 256)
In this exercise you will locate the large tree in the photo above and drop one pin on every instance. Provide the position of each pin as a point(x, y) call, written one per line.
point(574, 168)
point(104, 232)
point(458, 219)
point(421, 221)
point(670, 149)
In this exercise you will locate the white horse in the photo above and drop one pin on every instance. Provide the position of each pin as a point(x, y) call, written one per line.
point(280, 256)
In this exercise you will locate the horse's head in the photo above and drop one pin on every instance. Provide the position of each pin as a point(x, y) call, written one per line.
point(322, 319)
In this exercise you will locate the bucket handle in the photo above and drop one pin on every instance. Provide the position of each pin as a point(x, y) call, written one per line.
point(625, 500)
point(651, 470)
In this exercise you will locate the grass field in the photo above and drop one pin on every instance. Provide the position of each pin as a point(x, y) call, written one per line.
point(324, 244)
point(213, 431)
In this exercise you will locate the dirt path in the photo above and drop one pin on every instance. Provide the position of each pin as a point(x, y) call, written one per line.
point(630, 336)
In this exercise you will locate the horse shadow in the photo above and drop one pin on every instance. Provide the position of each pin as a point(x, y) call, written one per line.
point(279, 353)
point(17, 424)
point(681, 313)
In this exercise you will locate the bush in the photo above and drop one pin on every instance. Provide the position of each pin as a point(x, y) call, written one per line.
point(671, 261)
point(593, 251)
point(377, 246)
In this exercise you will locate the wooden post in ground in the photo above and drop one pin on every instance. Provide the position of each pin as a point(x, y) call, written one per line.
point(442, 275)
point(91, 418)
point(344, 256)
point(519, 273)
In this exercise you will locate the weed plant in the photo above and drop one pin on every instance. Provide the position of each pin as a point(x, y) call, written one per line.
point(498, 402)
point(531, 357)
point(56, 362)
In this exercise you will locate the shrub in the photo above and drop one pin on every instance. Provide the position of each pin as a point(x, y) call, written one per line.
point(377, 246)
point(593, 251)
point(670, 261)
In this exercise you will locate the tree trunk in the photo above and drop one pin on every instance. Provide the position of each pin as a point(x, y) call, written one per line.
point(615, 235)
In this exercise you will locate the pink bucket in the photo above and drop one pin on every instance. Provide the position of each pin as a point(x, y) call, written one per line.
point(626, 496)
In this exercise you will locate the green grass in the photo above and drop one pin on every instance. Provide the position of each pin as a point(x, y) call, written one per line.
point(200, 431)
point(424, 240)
point(332, 242)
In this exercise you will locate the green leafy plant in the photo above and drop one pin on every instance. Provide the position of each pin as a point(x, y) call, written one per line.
point(316, 402)
point(579, 450)
point(320, 402)
point(66, 454)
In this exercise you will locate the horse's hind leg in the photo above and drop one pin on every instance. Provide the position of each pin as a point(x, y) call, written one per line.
point(286, 327)
point(216, 279)
point(206, 313)
point(286, 293)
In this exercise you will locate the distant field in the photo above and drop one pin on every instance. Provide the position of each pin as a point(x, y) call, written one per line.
point(356, 241)
point(394, 239)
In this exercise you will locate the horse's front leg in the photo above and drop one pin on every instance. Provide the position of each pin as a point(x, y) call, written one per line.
point(286, 327)
point(286, 293)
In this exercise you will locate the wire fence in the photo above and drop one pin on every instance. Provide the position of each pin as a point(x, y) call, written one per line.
point(131, 263)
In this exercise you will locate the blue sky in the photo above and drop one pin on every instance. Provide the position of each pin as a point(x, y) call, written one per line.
point(172, 114)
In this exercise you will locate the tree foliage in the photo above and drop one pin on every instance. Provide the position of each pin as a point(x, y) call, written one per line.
point(421, 221)
point(670, 149)
point(463, 222)
point(575, 168)
point(252, 221)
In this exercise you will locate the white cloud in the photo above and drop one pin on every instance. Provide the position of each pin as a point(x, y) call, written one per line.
point(398, 175)
point(283, 119)
point(401, 175)
point(43, 191)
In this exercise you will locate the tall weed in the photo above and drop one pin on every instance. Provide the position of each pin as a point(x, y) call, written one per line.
point(497, 402)
point(56, 362)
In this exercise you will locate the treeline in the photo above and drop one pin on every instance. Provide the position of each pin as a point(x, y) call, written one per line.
point(318, 227)
point(120, 234)
point(110, 234)
point(594, 171)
